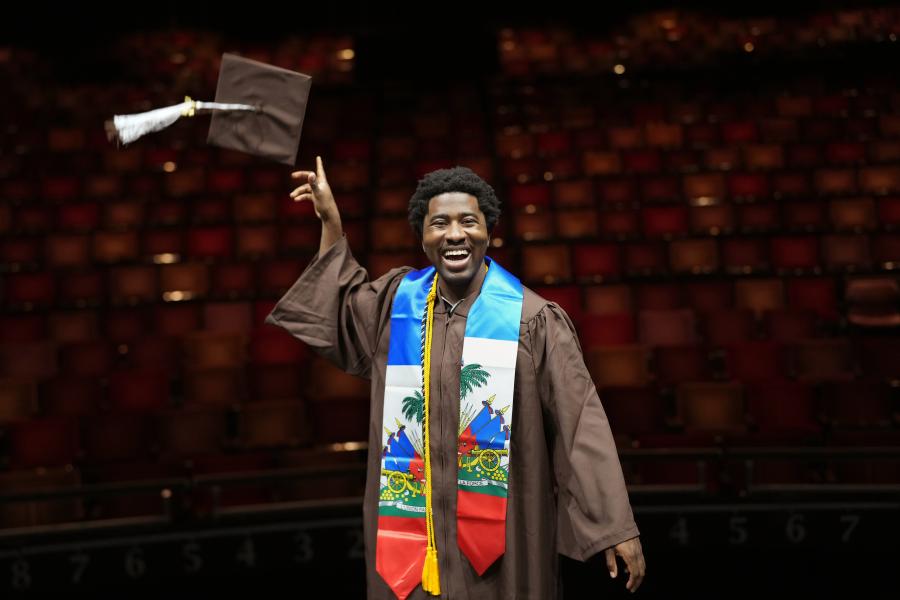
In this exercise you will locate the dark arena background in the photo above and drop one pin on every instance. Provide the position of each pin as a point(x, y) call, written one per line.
point(710, 190)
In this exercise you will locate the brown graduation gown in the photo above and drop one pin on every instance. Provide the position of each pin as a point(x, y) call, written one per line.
point(567, 493)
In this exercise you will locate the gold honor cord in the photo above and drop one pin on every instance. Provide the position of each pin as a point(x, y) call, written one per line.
point(431, 582)
point(430, 576)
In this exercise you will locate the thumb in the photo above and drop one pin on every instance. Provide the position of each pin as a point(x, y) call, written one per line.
point(611, 562)
point(320, 168)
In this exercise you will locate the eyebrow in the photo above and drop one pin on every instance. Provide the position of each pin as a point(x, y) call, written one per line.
point(445, 216)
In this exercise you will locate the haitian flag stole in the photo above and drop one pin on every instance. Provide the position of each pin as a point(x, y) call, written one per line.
point(487, 378)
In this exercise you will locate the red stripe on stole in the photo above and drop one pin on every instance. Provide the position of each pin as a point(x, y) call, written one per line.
point(480, 527)
point(400, 553)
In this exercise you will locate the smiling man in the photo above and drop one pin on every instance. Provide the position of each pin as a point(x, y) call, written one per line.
point(490, 451)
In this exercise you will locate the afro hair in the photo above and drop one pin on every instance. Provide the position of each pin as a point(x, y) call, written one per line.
point(456, 179)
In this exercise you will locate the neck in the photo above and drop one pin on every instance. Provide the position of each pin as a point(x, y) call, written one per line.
point(455, 293)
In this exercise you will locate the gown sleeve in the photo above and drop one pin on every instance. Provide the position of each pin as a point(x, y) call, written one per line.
point(593, 509)
point(336, 310)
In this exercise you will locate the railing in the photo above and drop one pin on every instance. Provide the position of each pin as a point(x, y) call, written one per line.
point(173, 491)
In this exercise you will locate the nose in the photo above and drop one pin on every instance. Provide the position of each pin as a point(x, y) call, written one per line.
point(455, 231)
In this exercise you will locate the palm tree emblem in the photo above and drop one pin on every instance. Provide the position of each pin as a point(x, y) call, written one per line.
point(470, 377)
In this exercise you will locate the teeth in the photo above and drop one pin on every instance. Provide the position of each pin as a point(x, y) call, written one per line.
point(454, 253)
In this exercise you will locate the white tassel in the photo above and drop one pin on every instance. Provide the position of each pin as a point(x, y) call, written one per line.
point(127, 128)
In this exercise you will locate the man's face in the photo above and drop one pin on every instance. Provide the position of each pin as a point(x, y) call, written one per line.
point(454, 222)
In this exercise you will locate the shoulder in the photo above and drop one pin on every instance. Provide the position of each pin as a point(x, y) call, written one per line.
point(536, 307)
point(391, 280)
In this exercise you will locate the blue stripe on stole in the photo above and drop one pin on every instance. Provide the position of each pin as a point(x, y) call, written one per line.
point(499, 318)
point(501, 294)
point(406, 318)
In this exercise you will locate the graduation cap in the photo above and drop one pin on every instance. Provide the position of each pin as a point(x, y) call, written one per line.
point(258, 109)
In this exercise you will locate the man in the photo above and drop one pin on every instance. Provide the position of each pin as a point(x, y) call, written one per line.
point(477, 483)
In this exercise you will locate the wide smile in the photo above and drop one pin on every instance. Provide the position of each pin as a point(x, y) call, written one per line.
point(456, 260)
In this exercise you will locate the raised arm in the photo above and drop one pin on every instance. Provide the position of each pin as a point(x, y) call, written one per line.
point(333, 307)
point(314, 187)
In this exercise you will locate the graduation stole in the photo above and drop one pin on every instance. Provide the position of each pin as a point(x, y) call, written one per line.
point(406, 552)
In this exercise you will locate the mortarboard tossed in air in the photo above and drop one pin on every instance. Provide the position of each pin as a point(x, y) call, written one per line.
point(259, 109)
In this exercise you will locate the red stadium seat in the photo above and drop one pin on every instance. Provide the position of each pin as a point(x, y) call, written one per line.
point(667, 327)
point(81, 288)
point(673, 365)
point(852, 405)
point(708, 295)
point(740, 132)
point(623, 366)
point(133, 284)
point(617, 192)
point(658, 296)
point(645, 258)
point(748, 186)
point(759, 295)
point(573, 193)
point(881, 179)
point(115, 437)
point(641, 161)
point(815, 294)
point(763, 157)
point(727, 326)
point(823, 360)
point(71, 395)
point(607, 330)
point(576, 224)
point(846, 252)
point(596, 262)
point(759, 218)
point(530, 197)
point(705, 187)
point(755, 361)
point(722, 158)
point(619, 224)
point(712, 407)
point(694, 256)
point(547, 263)
point(608, 299)
point(660, 188)
point(191, 432)
point(184, 281)
point(29, 359)
point(745, 255)
point(789, 325)
point(794, 254)
point(714, 219)
point(278, 424)
point(886, 251)
point(856, 215)
point(138, 390)
point(782, 405)
point(256, 242)
point(804, 216)
point(842, 153)
point(634, 410)
point(835, 182)
point(339, 419)
point(46, 442)
point(873, 301)
point(567, 296)
point(30, 290)
point(791, 184)
point(177, 319)
point(889, 213)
